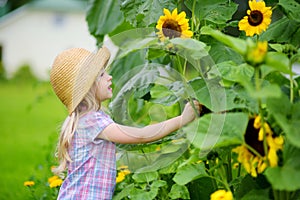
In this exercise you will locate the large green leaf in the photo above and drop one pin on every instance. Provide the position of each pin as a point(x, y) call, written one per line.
point(278, 61)
point(202, 188)
point(139, 77)
point(217, 98)
point(217, 130)
point(216, 11)
point(179, 192)
point(124, 193)
point(283, 31)
point(145, 177)
point(291, 8)
point(190, 172)
point(233, 72)
point(260, 194)
point(168, 155)
point(103, 16)
point(221, 53)
point(237, 44)
point(284, 178)
point(287, 115)
point(144, 13)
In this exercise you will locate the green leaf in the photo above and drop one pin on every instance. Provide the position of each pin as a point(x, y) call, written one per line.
point(216, 11)
point(168, 155)
point(217, 98)
point(284, 178)
point(136, 44)
point(188, 173)
point(158, 184)
point(267, 89)
point(124, 193)
point(262, 194)
point(217, 130)
point(139, 77)
point(189, 48)
point(287, 115)
point(287, 176)
point(138, 194)
point(278, 61)
point(168, 94)
point(221, 53)
point(103, 16)
point(230, 71)
point(202, 188)
point(144, 13)
point(236, 44)
point(282, 31)
point(179, 192)
point(145, 177)
point(291, 8)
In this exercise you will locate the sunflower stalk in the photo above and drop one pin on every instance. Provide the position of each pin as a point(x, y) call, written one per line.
point(260, 110)
point(253, 151)
point(291, 83)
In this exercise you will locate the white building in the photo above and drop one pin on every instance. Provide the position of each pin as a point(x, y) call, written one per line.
point(35, 33)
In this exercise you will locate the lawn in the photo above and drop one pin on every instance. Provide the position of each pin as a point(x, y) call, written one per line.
point(30, 118)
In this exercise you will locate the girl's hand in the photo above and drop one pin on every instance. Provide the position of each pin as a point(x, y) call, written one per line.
point(188, 113)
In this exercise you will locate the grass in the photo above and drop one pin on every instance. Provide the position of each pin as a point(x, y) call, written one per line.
point(29, 121)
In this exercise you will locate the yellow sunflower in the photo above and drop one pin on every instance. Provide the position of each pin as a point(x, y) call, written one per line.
point(258, 18)
point(173, 25)
point(255, 164)
point(221, 195)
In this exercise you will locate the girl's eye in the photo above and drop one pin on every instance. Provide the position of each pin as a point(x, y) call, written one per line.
point(102, 74)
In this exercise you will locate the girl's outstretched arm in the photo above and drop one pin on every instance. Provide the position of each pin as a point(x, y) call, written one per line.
point(132, 135)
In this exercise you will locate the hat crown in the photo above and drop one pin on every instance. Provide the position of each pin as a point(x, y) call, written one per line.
point(73, 73)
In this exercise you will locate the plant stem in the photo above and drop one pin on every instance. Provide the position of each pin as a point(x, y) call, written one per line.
point(184, 67)
point(260, 110)
point(193, 16)
point(253, 151)
point(229, 168)
point(179, 64)
point(291, 84)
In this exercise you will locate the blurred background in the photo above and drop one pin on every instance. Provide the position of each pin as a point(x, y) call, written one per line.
point(32, 32)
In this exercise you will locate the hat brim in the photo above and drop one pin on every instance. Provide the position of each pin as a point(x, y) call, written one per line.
point(87, 72)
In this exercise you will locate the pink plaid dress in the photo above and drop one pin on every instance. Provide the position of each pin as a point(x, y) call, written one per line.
point(92, 174)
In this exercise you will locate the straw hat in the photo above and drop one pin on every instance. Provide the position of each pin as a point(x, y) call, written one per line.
point(74, 72)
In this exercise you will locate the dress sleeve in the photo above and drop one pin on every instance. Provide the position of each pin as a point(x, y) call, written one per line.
point(102, 121)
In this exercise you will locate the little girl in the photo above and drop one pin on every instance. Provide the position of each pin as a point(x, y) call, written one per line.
point(86, 146)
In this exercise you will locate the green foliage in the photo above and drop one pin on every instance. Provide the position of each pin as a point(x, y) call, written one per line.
point(24, 74)
point(154, 78)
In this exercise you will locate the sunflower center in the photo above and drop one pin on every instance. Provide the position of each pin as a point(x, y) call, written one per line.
point(171, 29)
point(251, 138)
point(255, 18)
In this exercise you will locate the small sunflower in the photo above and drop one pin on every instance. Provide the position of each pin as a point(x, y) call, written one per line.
point(253, 163)
point(172, 25)
point(221, 195)
point(258, 18)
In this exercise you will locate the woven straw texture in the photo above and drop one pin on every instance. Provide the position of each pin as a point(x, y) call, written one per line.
point(74, 72)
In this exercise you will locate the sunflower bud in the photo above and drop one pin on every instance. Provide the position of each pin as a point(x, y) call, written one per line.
point(256, 53)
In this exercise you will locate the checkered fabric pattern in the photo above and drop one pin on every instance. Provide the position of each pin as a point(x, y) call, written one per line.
point(92, 174)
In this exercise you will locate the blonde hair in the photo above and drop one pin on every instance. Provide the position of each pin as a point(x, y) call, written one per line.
point(69, 126)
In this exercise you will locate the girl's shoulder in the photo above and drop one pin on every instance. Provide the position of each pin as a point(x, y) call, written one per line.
point(93, 117)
